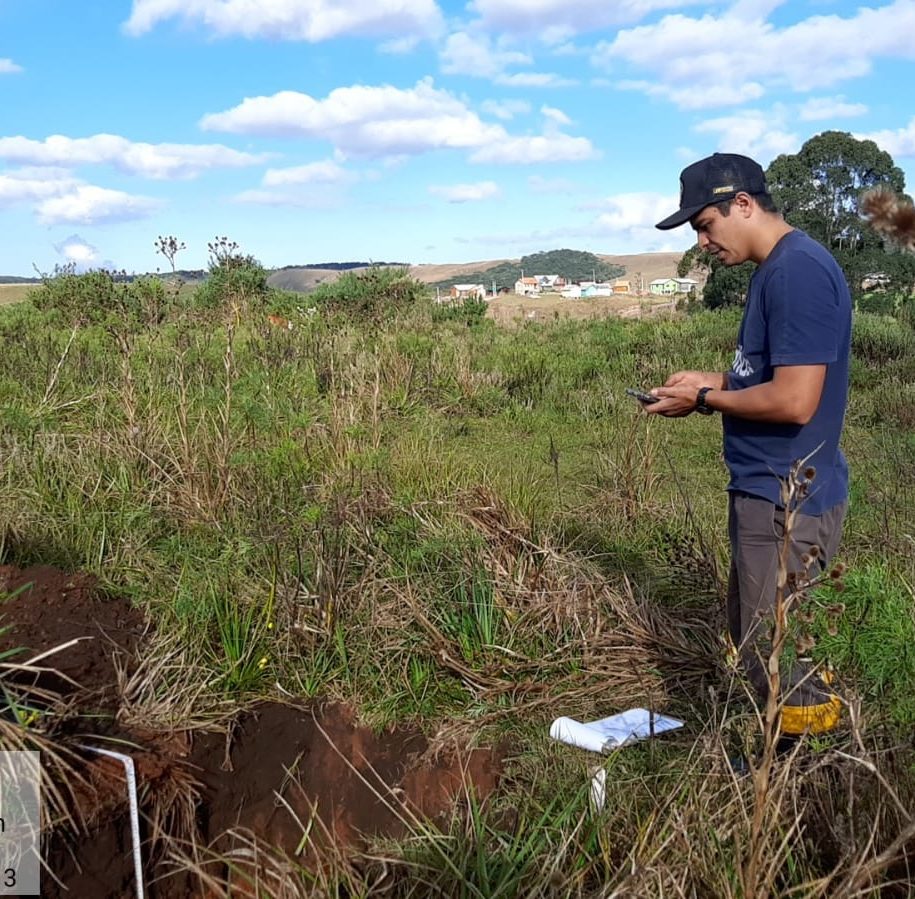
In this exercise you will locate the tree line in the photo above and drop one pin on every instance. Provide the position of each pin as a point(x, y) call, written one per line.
point(819, 190)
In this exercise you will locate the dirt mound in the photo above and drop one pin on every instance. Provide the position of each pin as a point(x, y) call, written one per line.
point(275, 770)
point(48, 609)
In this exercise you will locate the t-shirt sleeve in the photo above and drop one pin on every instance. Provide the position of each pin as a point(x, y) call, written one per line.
point(802, 305)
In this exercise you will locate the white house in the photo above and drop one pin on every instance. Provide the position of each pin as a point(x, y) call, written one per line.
point(527, 287)
point(468, 292)
point(670, 286)
point(551, 282)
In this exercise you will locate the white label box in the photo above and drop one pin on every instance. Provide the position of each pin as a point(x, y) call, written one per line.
point(20, 823)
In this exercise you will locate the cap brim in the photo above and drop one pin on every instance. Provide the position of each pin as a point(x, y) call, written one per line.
point(680, 217)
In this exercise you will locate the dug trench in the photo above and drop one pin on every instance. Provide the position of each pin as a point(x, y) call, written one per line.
point(305, 780)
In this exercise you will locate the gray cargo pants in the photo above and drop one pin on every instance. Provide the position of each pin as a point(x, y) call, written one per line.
point(756, 528)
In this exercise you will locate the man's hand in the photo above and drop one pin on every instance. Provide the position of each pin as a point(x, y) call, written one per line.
point(675, 402)
point(696, 379)
point(678, 395)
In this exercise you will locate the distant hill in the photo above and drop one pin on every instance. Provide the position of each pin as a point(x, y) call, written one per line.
point(305, 278)
point(649, 265)
point(574, 265)
point(343, 266)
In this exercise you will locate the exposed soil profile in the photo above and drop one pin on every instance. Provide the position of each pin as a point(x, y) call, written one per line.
point(275, 770)
point(52, 608)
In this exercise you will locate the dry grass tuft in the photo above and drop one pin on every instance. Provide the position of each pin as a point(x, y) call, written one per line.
point(606, 645)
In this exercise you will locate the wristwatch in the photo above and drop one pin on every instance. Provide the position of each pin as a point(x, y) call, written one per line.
point(701, 406)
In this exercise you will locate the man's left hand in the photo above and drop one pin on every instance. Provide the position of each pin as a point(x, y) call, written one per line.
point(675, 402)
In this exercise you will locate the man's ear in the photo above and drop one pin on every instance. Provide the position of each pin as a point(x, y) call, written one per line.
point(744, 204)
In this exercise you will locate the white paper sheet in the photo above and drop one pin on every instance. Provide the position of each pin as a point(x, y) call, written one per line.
point(607, 734)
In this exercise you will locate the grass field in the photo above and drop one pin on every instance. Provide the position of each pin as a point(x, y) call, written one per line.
point(546, 307)
point(471, 529)
point(13, 293)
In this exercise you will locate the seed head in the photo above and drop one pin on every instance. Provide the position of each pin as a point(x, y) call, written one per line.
point(810, 472)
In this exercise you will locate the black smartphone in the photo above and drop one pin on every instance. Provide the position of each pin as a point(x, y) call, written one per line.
point(642, 397)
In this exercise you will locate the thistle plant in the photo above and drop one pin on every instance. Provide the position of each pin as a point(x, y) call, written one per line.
point(169, 246)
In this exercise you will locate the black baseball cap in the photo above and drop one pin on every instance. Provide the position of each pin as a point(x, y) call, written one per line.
point(718, 177)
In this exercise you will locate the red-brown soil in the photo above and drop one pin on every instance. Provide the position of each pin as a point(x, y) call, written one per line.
point(278, 767)
point(53, 608)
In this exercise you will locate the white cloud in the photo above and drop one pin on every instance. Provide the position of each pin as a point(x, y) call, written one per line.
point(159, 161)
point(315, 185)
point(466, 193)
point(626, 225)
point(568, 49)
point(8, 67)
point(29, 185)
point(557, 20)
point(817, 108)
point(505, 109)
point(752, 132)
point(292, 20)
point(896, 142)
point(324, 172)
point(535, 79)
point(728, 59)
point(75, 249)
point(362, 120)
point(629, 218)
point(556, 117)
point(634, 210)
point(319, 198)
point(687, 97)
point(529, 150)
point(477, 55)
point(400, 46)
point(91, 205)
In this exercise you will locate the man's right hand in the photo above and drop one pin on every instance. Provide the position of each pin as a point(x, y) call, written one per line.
point(696, 379)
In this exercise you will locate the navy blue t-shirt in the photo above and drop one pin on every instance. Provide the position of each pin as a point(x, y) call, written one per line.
point(798, 312)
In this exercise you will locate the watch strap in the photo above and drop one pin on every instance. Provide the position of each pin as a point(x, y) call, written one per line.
point(701, 405)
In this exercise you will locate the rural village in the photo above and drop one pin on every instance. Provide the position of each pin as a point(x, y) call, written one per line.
point(536, 285)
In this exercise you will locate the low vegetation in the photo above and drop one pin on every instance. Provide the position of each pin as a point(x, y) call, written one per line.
point(473, 529)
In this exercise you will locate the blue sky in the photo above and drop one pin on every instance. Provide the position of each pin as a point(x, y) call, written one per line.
point(412, 130)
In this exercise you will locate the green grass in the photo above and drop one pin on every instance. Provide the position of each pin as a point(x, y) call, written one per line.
point(441, 521)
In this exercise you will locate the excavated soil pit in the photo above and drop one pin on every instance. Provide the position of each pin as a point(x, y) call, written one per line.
point(275, 769)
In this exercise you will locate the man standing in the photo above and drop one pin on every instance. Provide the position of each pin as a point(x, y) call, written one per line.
point(782, 401)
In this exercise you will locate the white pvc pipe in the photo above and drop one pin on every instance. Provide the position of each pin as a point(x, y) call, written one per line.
point(129, 770)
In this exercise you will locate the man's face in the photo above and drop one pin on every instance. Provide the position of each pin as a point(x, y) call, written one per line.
point(720, 235)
